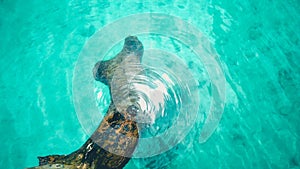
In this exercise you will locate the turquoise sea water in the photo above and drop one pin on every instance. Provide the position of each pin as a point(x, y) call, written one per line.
point(258, 46)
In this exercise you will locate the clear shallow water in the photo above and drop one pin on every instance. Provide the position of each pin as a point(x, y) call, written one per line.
point(257, 43)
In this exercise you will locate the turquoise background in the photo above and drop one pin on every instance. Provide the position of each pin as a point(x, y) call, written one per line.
point(257, 42)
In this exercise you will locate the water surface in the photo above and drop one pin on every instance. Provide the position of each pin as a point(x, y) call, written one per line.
point(258, 46)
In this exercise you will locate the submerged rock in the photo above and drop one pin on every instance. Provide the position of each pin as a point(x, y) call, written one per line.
point(114, 141)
